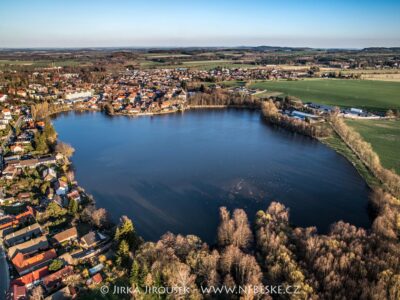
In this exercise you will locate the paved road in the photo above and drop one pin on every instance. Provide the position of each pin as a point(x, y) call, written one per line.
point(4, 272)
point(11, 134)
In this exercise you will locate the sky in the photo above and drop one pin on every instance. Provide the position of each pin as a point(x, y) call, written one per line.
point(184, 23)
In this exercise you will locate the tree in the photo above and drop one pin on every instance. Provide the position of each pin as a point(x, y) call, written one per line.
point(234, 231)
point(37, 293)
point(102, 258)
point(40, 143)
point(73, 207)
point(65, 149)
point(72, 280)
point(135, 273)
point(123, 254)
point(85, 273)
point(100, 218)
point(50, 133)
point(242, 236)
point(126, 231)
point(226, 228)
point(56, 265)
point(109, 109)
point(55, 211)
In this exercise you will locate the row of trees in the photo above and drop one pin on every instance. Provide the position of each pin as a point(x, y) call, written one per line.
point(43, 110)
point(273, 116)
point(221, 97)
point(364, 151)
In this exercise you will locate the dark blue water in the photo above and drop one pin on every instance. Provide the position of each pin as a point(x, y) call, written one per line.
point(173, 172)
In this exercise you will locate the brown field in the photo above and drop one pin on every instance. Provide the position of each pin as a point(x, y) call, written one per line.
point(383, 77)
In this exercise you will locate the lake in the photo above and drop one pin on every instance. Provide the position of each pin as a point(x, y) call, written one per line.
point(172, 172)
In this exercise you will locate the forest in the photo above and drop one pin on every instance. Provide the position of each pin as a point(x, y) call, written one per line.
point(346, 263)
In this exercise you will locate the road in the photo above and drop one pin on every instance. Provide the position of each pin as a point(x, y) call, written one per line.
point(4, 272)
point(11, 134)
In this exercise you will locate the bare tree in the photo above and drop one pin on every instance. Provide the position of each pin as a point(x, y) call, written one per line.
point(37, 293)
point(100, 218)
point(65, 149)
point(242, 237)
point(226, 229)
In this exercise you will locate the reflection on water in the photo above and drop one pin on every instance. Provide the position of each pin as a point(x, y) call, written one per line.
point(172, 172)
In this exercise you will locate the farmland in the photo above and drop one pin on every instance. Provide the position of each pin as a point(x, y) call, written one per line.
point(384, 136)
point(198, 64)
point(40, 63)
point(371, 95)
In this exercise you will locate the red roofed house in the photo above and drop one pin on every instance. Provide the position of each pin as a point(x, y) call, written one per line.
point(18, 218)
point(17, 292)
point(97, 278)
point(25, 264)
point(53, 281)
point(30, 278)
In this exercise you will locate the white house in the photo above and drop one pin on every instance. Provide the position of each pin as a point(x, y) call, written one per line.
point(61, 187)
point(49, 174)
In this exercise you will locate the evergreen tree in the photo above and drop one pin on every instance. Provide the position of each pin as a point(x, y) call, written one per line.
point(73, 207)
point(123, 253)
point(135, 273)
point(126, 231)
point(40, 143)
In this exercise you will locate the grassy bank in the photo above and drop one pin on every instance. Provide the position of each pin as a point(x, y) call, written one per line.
point(336, 143)
point(372, 95)
point(384, 136)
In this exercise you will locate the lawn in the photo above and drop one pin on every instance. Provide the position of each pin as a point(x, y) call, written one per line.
point(372, 95)
point(384, 136)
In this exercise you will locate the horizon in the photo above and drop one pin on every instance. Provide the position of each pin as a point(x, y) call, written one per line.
point(191, 47)
point(177, 24)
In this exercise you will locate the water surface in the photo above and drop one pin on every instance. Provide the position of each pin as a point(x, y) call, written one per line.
point(173, 172)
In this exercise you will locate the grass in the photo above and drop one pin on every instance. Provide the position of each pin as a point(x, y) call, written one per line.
point(371, 95)
point(384, 136)
point(336, 143)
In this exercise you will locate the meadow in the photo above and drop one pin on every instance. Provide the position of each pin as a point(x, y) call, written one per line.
point(367, 94)
point(384, 136)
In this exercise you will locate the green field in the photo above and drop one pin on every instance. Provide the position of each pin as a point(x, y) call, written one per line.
point(372, 95)
point(384, 136)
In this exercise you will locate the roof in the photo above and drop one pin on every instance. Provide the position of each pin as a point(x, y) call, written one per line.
point(91, 238)
point(31, 277)
point(66, 235)
point(23, 231)
point(18, 292)
point(29, 246)
point(97, 278)
point(50, 280)
point(12, 220)
point(22, 263)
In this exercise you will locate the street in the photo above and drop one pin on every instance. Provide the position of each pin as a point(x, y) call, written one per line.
point(4, 272)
